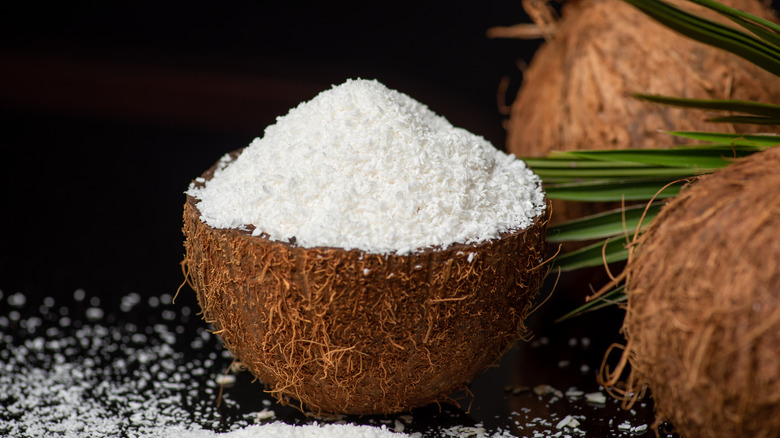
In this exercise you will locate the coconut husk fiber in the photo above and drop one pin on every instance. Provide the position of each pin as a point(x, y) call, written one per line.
point(577, 90)
point(703, 314)
point(350, 332)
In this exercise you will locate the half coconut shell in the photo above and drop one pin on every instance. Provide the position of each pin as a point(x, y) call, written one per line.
point(345, 331)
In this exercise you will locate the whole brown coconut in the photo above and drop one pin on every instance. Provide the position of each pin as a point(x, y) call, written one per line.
point(344, 331)
point(577, 90)
point(703, 317)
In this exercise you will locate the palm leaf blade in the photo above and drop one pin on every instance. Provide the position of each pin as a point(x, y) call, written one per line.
point(610, 251)
point(761, 27)
point(747, 107)
point(700, 158)
point(614, 190)
point(754, 141)
point(572, 162)
point(611, 298)
point(603, 225)
point(748, 120)
point(715, 34)
point(548, 174)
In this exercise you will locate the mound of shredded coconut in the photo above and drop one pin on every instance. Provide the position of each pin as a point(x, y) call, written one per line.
point(365, 167)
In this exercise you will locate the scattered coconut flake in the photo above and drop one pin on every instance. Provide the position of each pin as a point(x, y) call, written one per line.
point(72, 381)
point(17, 300)
point(264, 415)
point(517, 390)
point(94, 313)
point(365, 167)
point(597, 398)
point(79, 294)
point(225, 379)
point(624, 426)
point(282, 430)
point(542, 390)
point(568, 421)
point(129, 301)
point(465, 432)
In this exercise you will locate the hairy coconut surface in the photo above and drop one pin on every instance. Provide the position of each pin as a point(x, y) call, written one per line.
point(577, 90)
point(344, 331)
point(703, 316)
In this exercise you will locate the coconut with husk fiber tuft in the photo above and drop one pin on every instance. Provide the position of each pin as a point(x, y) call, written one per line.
point(703, 313)
point(384, 322)
point(577, 91)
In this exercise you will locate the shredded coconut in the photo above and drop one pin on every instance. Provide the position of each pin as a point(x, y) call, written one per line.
point(282, 430)
point(365, 167)
point(596, 398)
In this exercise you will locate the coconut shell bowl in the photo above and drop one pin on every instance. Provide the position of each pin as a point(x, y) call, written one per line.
point(350, 332)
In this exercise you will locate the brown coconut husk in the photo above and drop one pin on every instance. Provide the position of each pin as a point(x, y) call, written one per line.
point(345, 331)
point(577, 90)
point(703, 313)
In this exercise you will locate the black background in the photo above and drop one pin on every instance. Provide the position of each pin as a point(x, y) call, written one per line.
point(109, 109)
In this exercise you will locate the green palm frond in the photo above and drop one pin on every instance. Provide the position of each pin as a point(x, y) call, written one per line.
point(649, 176)
point(604, 225)
point(749, 143)
point(625, 189)
point(612, 250)
point(732, 106)
point(761, 48)
point(762, 28)
point(613, 297)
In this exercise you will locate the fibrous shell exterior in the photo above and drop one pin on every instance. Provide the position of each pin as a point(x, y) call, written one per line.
point(345, 331)
point(577, 92)
point(703, 316)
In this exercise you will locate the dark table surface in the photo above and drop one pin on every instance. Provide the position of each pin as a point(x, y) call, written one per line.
point(155, 352)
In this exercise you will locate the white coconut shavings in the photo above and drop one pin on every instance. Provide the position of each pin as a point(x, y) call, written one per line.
point(69, 398)
point(596, 398)
point(282, 430)
point(568, 421)
point(362, 166)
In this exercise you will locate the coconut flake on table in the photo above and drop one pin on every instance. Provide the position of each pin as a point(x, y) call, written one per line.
point(282, 430)
point(362, 166)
